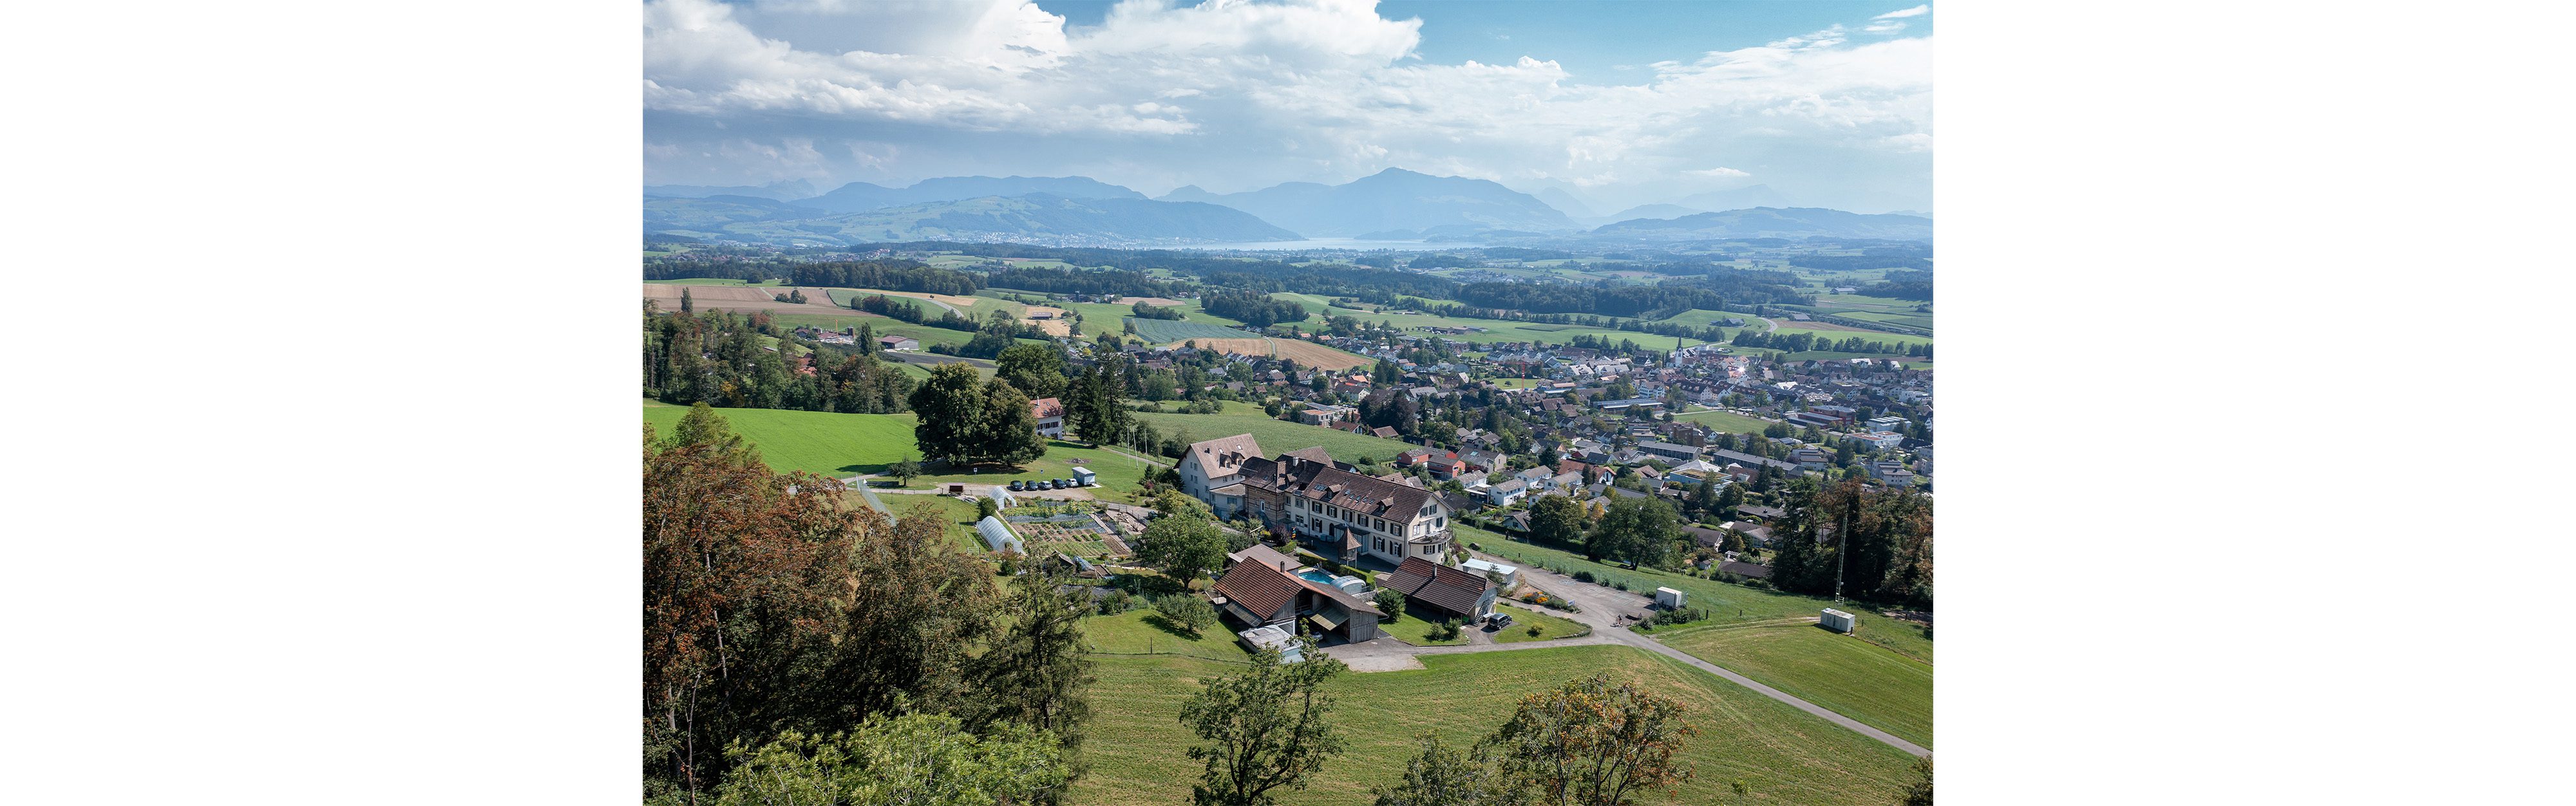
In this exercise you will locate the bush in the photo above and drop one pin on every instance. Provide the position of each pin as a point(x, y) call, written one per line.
point(1620, 585)
point(1188, 612)
point(1583, 576)
point(1447, 630)
point(1679, 615)
point(1533, 631)
point(1116, 602)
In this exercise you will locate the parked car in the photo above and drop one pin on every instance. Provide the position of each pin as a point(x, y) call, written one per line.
point(1057, 484)
point(1499, 619)
point(1016, 485)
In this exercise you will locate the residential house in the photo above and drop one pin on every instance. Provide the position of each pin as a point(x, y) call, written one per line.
point(1506, 493)
point(1050, 414)
point(1210, 470)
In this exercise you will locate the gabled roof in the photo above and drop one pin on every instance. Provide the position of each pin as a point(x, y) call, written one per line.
point(1046, 407)
point(1352, 491)
point(1451, 589)
point(1259, 589)
point(1264, 555)
point(1225, 452)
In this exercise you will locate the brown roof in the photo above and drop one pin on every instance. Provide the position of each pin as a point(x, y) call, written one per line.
point(1259, 589)
point(1046, 407)
point(1455, 590)
point(1352, 491)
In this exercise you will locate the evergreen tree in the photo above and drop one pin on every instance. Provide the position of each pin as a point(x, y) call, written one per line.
point(1037, 670)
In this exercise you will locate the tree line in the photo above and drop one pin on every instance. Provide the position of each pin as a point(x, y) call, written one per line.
point(898, 274)
point(718, 358)
point(1255, 309)
point(1802, 342)
point(1872, 544)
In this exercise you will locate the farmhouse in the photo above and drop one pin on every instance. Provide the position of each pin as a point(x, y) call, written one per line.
point(1458, 591)
point(1256, 594)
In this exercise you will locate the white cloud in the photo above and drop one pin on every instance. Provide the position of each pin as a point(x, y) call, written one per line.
point(1916, 11)
point(1884, 27)
point(1234, 94)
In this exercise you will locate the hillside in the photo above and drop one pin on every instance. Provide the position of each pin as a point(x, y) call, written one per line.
point(711, 213)
point(1772, 222)
point(988, 218)
point(1391, 200)
point(774, 191)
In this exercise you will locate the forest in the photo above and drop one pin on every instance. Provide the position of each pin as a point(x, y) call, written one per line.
point(1257, 310)
point(891, 275)
point(717, 358)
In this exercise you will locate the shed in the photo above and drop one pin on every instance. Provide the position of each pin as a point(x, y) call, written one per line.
point(1836, 620)
point(1085, 476)
point(1669, 597)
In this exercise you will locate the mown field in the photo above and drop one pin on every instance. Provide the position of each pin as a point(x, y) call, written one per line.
point(1723, 420)
point(1496, 330)
point(1139, 748)
point(1275, 436)
point(1549, 627)
point(1169, 331)
point(1726, 603)
point(1857, 679)
point(843, 445)
point(824, 443)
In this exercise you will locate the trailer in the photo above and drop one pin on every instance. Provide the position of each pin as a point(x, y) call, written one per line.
point(1670, 598)
point(1837, 621)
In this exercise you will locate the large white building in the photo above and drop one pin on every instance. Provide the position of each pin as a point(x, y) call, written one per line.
point(1300, 494)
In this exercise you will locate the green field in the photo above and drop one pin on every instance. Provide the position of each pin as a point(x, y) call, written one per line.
point(1496, 330)
point(819, 442)
point(1549, 627)
point(1726, 603)
point(1138, 748)
point(1723, 420)
point(1142, 631)
point(1168, 331)
point(842, 445)
point(1856, 679)
point(1275, 436)
point(713, 281)
point(1413, 626)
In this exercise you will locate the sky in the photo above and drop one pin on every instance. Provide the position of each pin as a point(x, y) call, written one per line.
point(1618, 103)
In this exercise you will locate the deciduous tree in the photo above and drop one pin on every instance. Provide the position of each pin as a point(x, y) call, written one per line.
point(1594, 743)
point(1443, 776)
point(1267, 728)
point(927, 759)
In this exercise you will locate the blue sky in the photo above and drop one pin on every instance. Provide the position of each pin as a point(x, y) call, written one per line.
point(1618, 103)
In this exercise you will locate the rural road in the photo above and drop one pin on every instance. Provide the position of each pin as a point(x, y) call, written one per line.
point(1608, 612)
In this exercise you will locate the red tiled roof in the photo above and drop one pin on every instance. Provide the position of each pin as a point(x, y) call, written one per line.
point(1455, 590)
point(1046, 407)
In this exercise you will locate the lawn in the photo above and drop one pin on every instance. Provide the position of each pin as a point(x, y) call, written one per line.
point(1139, 749)
point(1413, 626)
point(1856, 679)
point(1142, 631)
point(1119, 472)
point(1275, 436)
point(1549, 627)
point(836, 445)
point(957, 514)
point(1726, 603)
point(1723, 420)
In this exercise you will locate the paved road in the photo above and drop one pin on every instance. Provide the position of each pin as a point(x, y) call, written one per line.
point(1609, 612)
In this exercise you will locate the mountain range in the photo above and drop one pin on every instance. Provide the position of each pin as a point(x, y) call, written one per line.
point(1392, 201)
point(1031, 217)
point(1393, 204)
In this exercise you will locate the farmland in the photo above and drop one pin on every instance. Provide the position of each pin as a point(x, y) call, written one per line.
point(1886, 690)
point(1305, 353)
point(1169, 331)
point(1786, 755)
point(1275, 436)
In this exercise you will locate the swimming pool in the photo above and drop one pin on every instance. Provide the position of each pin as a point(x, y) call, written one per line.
point(1316, 576)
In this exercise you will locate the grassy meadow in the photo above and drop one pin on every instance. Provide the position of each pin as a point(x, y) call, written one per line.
point(1138, 746)
point(1857, 679)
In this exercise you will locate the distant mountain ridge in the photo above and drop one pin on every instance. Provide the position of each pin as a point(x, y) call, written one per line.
point(1391, 200)
point(857, 196)
point(1034, 217)
point(1772, 222)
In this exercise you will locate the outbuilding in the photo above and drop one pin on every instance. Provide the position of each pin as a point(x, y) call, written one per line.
point(1670, 598)
point(1086, 477)
point(998, 536)
point(1836, 620)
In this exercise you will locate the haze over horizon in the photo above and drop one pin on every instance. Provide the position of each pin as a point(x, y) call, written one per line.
point(1826, 103)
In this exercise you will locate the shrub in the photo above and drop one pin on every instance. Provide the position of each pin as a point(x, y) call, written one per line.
point(1679, 615)
point(1533, 631)
point(1620, 585)
point(1583, 576)
point(1446, 630)
point(1188, 612)
point(1116, 602)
